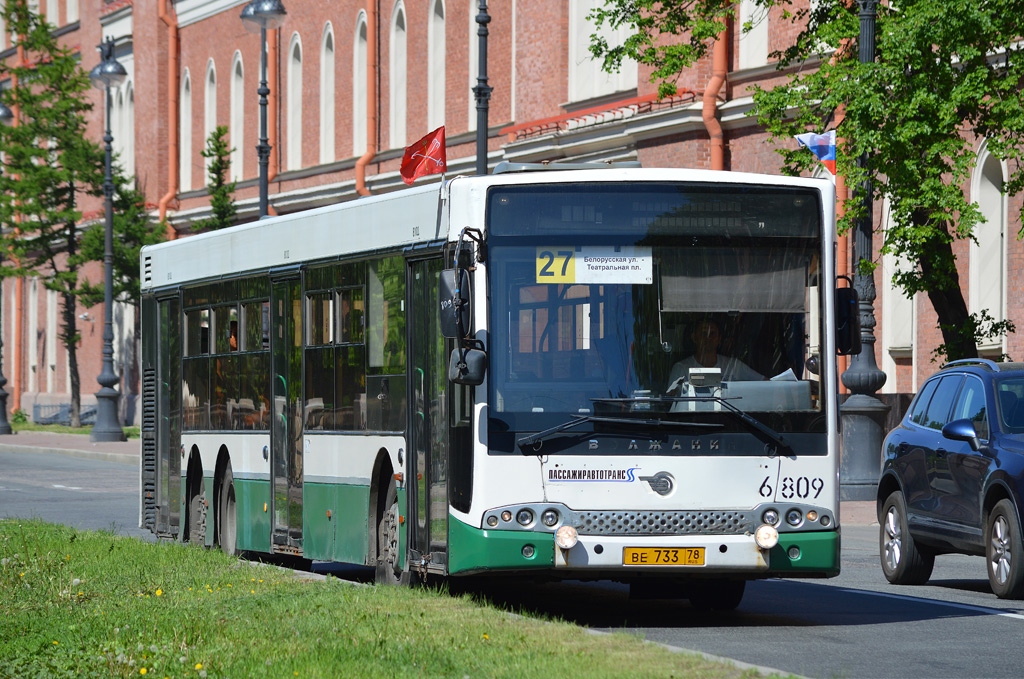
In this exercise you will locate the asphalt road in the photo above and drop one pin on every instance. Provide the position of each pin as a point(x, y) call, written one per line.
point(855, 625)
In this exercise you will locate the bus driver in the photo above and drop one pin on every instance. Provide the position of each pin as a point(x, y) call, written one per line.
point(706, 338)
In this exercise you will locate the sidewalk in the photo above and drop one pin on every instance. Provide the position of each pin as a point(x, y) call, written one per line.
point(77, 445)
point(851, 513)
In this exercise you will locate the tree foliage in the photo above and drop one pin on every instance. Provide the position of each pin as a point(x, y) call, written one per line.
point(48, 165)
point(218, 152)
point(946, 75)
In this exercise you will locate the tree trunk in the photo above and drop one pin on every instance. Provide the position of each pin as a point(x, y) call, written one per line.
point(71, 346)
point(942, 282)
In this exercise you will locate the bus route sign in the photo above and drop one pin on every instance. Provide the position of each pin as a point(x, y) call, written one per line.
point(595, 264)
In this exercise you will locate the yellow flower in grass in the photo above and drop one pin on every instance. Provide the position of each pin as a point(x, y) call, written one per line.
point(143, 670)
point(199, 665)
point(159, 592)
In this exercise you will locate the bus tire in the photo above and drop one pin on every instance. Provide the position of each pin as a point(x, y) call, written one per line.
point(903, 563)
point(388, 570)
point(197, 516)
point(227, 519)
point(717, 595)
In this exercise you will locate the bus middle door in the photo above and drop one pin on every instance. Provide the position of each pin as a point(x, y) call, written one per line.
point(286, 424)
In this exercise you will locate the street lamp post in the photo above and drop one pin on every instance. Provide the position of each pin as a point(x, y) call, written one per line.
point(6, 118)
point(482, 91)
point(863, 414)
point(108, 73)
point(261, 15)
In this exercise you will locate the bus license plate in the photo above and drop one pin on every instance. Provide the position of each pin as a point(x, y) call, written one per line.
point(663, 556)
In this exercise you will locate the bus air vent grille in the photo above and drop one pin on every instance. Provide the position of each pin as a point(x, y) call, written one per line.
point(666, 523)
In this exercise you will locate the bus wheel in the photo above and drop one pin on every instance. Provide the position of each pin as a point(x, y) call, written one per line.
point(388, 569)
point(227, 526)
point(197, 516)
point(719, 595)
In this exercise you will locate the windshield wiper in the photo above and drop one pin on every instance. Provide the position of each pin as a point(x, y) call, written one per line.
point(755, 423)
point(581, 419)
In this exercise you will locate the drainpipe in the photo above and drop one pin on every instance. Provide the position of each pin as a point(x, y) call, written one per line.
point(171, 20)
point(371, 99)
point(273, 76)
point(19, 292)
point(719, 65)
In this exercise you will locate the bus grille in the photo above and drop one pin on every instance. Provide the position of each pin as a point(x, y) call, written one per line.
point(149, 452)
point(665, 523)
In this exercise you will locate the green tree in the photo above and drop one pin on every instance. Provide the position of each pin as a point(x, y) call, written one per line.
point(218, 152)
point(946, 73)
point(49, 163)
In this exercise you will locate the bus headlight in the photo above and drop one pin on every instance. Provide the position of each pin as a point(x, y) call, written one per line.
point(566, 537)
point(794, 517)
point(770, 517)
point(766, 537)
point(524, 517)
point(549, 518)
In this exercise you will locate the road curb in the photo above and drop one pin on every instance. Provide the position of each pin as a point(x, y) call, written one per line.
point(88, 454)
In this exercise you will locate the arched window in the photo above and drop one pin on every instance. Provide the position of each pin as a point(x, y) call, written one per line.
point(586, 79)
point(71, 9)
point(327, 114)
point(185, 134)
point(988, 254)
point(435, 67)
point(397, 75)
point(53, 13)
point(474, 65)
point(209, 109)
point(126, 127)
point(359, 87)
point(294, 146)
point(237, 136)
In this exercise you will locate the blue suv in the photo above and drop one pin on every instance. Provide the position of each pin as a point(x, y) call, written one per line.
point(953, 476)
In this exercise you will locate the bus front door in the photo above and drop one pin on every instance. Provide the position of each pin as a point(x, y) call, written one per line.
point(428, 422)
point(286, 426)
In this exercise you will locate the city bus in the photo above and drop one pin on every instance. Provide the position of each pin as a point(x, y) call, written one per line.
point(509, 375)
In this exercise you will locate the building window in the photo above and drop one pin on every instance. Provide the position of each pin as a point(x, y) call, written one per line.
point(435, 67)
point(397, 74)
point(359, 87)
point(294, 147)
point(586, 79)
point(327, 104)
point(209, 108)
point(237, 138)
point(987, 254)
point(753, 43)
point(185, 135)
point(71, 9)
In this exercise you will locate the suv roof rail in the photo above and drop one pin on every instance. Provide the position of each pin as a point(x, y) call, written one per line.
point(991, 365)
point(505, 166)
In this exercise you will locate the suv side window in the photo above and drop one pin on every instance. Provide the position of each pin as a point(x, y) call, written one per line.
point(939, 407)
point(970, 405)
point(920, 406)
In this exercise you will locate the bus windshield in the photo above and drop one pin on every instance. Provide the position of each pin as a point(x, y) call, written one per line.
point(655, 300)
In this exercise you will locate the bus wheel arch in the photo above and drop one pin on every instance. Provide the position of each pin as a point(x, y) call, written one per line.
point(195, 499)
point(384, 529)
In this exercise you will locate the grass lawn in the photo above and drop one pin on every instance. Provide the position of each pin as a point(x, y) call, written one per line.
point(92, 604)
point(130, 432)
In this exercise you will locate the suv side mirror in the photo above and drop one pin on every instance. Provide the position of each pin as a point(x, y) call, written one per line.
point(962, 430)
point(847, 322)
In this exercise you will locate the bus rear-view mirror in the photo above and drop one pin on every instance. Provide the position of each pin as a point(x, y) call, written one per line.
point(453, 295)
point(467, 366)
point(847, 322)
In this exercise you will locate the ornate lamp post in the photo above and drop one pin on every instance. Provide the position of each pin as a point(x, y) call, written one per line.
point(108, 73)
point(262, 15)
point(6, 118)
point(482, 91)
point(863, 414)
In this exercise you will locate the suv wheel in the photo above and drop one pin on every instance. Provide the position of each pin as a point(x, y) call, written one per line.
point(1004, 552)
point(902, 561)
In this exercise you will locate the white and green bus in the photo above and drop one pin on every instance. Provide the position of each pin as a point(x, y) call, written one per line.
point(617, 373)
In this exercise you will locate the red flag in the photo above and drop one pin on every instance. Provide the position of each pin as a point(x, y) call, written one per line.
point(427, 156)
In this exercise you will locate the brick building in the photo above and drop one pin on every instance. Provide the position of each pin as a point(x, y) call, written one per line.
point(354, 81)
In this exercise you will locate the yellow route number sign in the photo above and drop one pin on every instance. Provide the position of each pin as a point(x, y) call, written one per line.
point(595, 264)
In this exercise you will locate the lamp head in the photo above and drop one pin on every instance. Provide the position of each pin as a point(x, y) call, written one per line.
point(109, 72)
point(260, 14)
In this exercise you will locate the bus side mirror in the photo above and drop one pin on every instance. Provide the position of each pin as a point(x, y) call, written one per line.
point(453, 297)
point(847, 322)
point(467, 366)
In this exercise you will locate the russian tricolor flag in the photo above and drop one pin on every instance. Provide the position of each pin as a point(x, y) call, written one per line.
point(821, 145)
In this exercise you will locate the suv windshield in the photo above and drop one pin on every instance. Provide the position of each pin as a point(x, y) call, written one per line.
point(655, 299)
